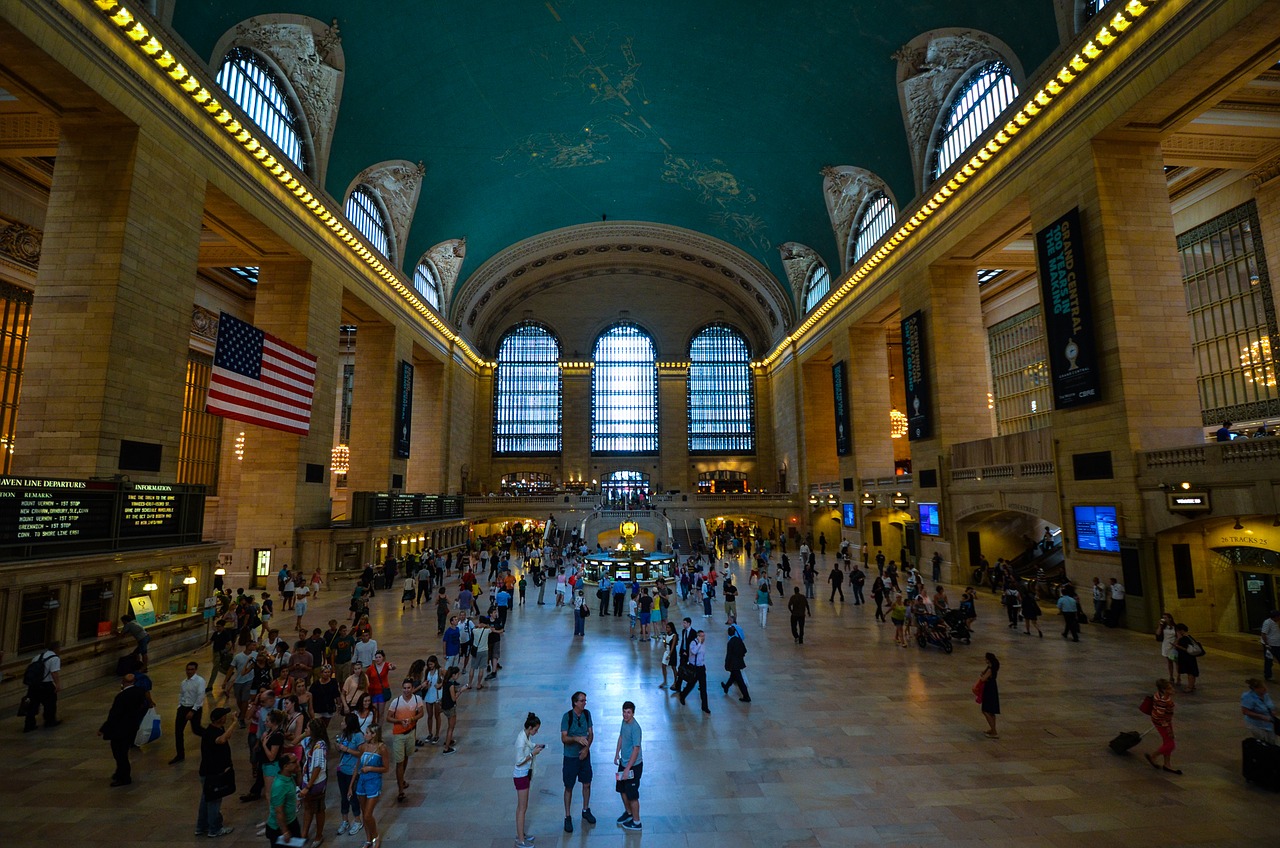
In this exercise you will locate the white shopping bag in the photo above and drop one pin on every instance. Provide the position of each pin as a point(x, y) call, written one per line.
point(149, 729)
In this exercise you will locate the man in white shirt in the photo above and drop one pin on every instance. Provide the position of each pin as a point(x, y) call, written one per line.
point(1270, 642)
point(1117, 603)
point(45, 693)
point(404, 712)
point(1099, 600)
point(364, 650)
point(190, 704)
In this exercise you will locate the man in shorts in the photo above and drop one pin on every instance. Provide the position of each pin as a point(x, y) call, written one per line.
point(577, 734)
point(404, 712)
point(627, 757)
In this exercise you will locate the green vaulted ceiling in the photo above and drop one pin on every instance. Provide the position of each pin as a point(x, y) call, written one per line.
point(712, 115)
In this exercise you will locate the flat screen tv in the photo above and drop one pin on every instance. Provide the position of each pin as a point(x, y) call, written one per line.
point(849, 514)
point(929, 520)
point(1097, 529)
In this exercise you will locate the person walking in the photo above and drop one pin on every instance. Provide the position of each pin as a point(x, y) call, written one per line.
point(450, 689)
point(698, 663)
point(1031, 610)
point(1162, 720)
point(1166, 634)
point(836, 579)
point(404, 713)
point(367, 786)
point(857, 579)
point(580, 613)
point(989, 696)
point(735, 661)
point(1185, 660)
point(1070, 609)
point(314, 778)
point(730, 599)
point(627, 756)
point(577, 733)
point(1259, 711)
point(121, 726)
point(527, 752)
point(44, 681)
point(670, 656)
point(217, 773)
point(1099, 600)
point(798, 605)
point(764, 599)
point(347, 744)
point(190, 704)
point(1270, 639)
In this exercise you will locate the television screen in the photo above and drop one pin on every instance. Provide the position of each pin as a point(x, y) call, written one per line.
point(849, 514)
point(929, 519)
point(1097, 529)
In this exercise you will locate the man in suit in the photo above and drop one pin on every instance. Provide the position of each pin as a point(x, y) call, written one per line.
point(683, 640)
point(121, 727)
point(735, 654)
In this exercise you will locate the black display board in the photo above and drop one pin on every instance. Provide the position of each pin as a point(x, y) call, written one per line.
point(840, 386)
point(50, 517)
point(404, 410)
point(915, 369)
point(374, 508)
point(1068, 316)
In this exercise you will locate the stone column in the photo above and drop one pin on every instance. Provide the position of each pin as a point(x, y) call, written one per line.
point(673, 430)
point(576, 421)
point(869, 402)
point(275, 497)
point(379, 350)
point(106, 361)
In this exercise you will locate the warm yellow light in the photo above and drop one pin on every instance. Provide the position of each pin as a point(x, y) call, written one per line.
point(165, 59)
point(1135, 8)
point(1091, 50)
point(340, 459)
point(1053, 87)
point(1105, 37)
point(189, 580)
point(1119, 23)
point(1258, 365)
point(150, 586)
point(122, 18)
point(1031, 109)
point(897, 424)
point(201, 96)
point(138, 32)
point(1078, 63)
point(1042, 98)
point(1065, 76)
point(151, 48)
point(190, 84)
point(105, 5)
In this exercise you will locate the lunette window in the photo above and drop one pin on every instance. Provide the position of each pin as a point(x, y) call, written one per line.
point(365, 213)
point(721, 394)
point(427, 283)
point(987, 93)
point(817, 286)
point(527, 392)
point(878, 216)
point(624, 392)
point(256, 89)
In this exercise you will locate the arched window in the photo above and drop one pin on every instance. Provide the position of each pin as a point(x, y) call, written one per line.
point(526, 392)
point(1092, 7)
point(877, 217)
point(256, 89)
point(624, 392)
point(365, 212)
point(988, 91)
point(427, 282)
point(721, 393)
point(817, 286)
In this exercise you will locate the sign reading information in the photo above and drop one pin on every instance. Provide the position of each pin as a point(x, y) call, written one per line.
point(1068, 319)
point(919, 418)
point(840, 385)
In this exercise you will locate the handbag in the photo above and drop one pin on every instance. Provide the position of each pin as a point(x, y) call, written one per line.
point(1194, 648)
point(220, 785)
point(1147, 705)
point(586, 611)
point(978, 689)
point(148, 728)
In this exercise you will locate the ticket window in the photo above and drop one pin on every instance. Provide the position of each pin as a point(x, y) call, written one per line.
point(179, 593)
point(261, 567)
point(138, 583)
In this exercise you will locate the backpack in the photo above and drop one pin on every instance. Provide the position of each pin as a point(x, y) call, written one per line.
point(34, 674)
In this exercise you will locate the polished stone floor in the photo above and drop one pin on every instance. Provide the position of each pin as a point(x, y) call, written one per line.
point(849, 741)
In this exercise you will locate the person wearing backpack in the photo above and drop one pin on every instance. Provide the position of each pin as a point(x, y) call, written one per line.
point(43, 681)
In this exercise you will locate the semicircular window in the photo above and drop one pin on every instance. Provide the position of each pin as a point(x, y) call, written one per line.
point(817, 286)
point(365, 213)
point(256, 88)
point(526, 392)
point(721, 394)
point(624, 392)
point(988, 92)
point(878, 216)
point(427, 283)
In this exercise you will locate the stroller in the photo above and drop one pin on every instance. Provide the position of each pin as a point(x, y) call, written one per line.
point(955, 620)
point(931, 630)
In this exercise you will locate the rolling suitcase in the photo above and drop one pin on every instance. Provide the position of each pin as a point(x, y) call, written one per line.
point(1122, 743)
point(1261, 763)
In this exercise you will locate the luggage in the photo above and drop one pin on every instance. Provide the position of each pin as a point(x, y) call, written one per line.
point(1261, 763)
point(1122, 743)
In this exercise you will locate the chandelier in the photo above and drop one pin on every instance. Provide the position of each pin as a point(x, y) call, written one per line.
point(897, 424)
point(340, 459)
point(1258, 365)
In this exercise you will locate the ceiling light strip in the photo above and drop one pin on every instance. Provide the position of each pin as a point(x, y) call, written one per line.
point(1103, 40)
point(154, 50)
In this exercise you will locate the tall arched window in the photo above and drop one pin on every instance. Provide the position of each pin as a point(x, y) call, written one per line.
point(256, 89)
point(526, 392)
point(817, 286)
point(624, 392)
point(365, 212)
point(986, 93)
point(427, 282)
point(721, 393)
point(1092, 7)
point(877, 217)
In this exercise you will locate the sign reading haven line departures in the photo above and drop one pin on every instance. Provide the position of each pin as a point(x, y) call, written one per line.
point(1068, 318)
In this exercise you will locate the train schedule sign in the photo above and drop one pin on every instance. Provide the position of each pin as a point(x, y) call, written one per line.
point(1068, 315)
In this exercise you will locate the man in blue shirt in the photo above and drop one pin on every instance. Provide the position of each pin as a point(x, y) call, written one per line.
point(503, 600)
point(1070, 609)
point(577, 734)
point(619, 594)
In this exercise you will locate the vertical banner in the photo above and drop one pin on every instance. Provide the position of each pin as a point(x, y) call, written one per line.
point(919, 416)
point(840, 385)
point(1068, 318)
point(404, 410)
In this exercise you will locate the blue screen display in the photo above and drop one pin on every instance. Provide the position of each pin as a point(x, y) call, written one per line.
point(849, 514)
point(929, 519)
point(1097, 529)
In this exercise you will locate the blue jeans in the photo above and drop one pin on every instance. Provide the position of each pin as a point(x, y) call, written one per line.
point(579, 628)
point(209, 818)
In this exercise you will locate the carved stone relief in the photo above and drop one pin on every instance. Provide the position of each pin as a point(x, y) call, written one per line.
point(798, 260)
point(845, 189)
point(21, 243)
point(310, 55)
point(929, 67)
point(447, 257)
point(397, 183)
point(204, 323)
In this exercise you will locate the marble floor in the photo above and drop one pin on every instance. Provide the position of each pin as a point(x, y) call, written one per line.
point(849, 741)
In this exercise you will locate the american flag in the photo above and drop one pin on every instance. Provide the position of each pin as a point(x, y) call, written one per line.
point(259, 379)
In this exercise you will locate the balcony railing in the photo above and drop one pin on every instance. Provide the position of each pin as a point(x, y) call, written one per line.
point(1209, 457)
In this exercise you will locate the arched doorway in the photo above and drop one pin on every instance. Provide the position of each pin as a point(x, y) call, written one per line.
point(625, 490)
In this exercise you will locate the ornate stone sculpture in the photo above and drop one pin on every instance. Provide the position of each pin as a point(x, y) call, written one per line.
point(798, 260)
point(845, 189)
point(397, 183)
point(446, 257)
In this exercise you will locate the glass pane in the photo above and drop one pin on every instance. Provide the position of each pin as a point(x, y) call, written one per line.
point(624, 392)
point(527, 393)
point(721, 408)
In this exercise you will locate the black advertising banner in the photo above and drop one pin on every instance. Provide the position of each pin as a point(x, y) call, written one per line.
point(1068, 318)
point(840, 385)
point(919, 416)
point(404, 410)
